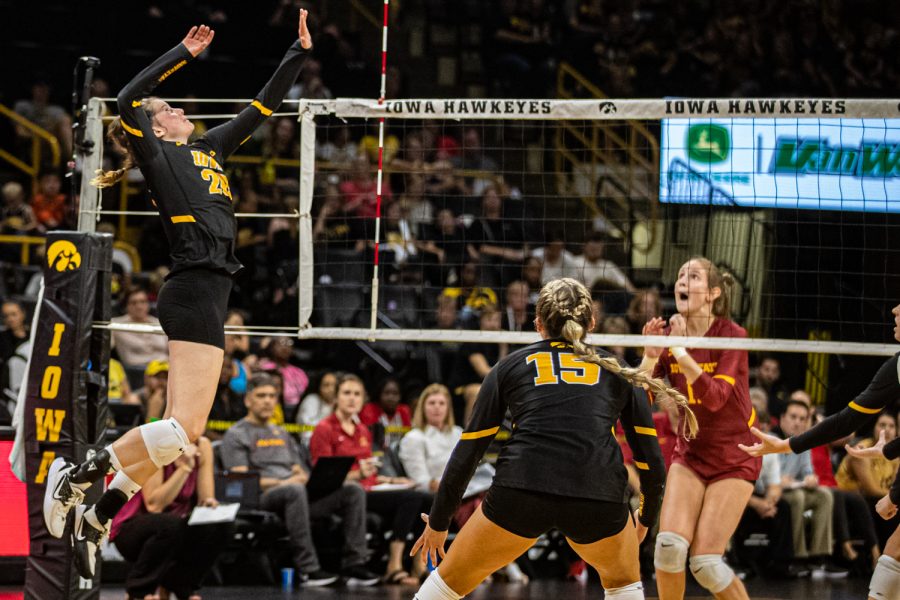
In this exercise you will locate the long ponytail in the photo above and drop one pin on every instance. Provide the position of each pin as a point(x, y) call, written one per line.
point(564, 307)
point(116, 135)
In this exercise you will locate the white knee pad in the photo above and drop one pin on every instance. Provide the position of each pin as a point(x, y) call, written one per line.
point(634, 591)
point(885, 583)
point(711, 572)
point(165, 441)
point(435, 588)
point(671, 552)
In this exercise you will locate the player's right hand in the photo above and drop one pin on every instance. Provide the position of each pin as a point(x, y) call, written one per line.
point(655, 326)
point(769, 444)
point(198, 38)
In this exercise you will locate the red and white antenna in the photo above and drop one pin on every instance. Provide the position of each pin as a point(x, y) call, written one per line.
point(384, 37)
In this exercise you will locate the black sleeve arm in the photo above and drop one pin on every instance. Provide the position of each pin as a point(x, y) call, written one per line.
point(135, 121)
point(891, 450)
point(226, 138)
point(483, 426)
point(884, 389)
point(894, 492)
point(640, 431)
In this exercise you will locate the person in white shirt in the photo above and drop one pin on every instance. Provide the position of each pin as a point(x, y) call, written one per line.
point(319, 404)
point(138, 349)
point(591, 267)
point(558, 262)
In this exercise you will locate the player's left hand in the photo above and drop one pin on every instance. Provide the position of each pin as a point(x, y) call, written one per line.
point(874, 451)
point(431, 543)
point(197, 39)
point(769, 444)
point(886, 508)
point(677, 325)
point(305, 37)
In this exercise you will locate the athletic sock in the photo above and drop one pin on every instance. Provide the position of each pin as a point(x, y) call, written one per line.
point(435, 588)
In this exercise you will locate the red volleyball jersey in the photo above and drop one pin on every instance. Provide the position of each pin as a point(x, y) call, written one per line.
point(720, 398)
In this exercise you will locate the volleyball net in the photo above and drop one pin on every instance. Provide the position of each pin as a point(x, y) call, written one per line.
point(478, 200)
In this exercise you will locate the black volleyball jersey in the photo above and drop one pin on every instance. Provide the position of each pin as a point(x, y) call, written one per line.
point(883, 391)
point(187, 181)
point(562, 440)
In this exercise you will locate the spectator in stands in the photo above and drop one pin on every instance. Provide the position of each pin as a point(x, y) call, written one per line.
point(50, 117)
point(228, 405)
point(852, 519)
point(446, 242)
point(493, 240)
point(359, 192)
point(16, 328)
point(399, 236)
point(617, 325)
point(531, 274)
point(598, 312)
point(16, 216)
point(520, 50)
point(283, 466)
point(768, 377)
point(338, 148)
point(873, 477)
point(386, 413)
point(136, 350)
point(472, 157)
point(342, 434)
point(319, 404)
point(118, 387)
point(519, 313)
point(767, 512)
point(591, 268)
point(335, 225)
point(803, 492)
point(281, 142)
point(557, 261)
point(49, 203)
point(471, 296)
point(152, 396)
point(643, 306)
point(760, 401)
point(237, 346)
point(475, 361)
point(426, 449)
point(417, 208)
point(310, 85)
point(294, 379)
point(151, 530)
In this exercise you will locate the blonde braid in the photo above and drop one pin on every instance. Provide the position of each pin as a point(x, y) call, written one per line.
point(574, 333)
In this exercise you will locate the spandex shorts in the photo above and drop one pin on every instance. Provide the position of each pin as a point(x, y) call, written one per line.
point(529, 514)
point(192, 306)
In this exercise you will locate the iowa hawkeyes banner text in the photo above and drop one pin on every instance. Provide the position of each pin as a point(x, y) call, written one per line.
point(65, 407)
point(650, 109)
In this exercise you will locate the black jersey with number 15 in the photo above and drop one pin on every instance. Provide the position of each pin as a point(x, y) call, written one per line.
point(563, 412)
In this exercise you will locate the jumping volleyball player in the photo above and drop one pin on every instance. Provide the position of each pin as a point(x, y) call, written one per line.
point(189, 186)
point(884, 391)
point(710, 480)
point(561, 467)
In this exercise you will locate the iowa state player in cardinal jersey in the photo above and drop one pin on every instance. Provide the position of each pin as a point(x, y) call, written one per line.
point(711, 479)
point(189, 186)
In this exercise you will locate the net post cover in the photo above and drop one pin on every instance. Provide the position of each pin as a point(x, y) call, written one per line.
point(65, 407)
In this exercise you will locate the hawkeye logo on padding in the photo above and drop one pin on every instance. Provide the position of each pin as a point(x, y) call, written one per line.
point(63, 256)
point(708, 143)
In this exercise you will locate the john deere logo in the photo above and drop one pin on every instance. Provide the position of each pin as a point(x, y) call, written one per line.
point(708, 143)
point(63, 256)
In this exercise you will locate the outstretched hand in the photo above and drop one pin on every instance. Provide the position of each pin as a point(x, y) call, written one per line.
point(874, 451)
point(769, 444)
point(198, 38)
point(431, 543)
point(305, 37)
point(655, 326)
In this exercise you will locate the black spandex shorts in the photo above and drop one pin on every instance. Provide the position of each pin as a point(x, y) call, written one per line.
point(529, 514)
point(192, 306)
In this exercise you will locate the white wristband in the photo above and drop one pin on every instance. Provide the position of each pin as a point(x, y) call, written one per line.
point(678, 351)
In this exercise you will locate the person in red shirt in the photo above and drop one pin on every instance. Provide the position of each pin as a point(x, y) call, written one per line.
point(49, 204)
point(387, 413)
point(359, 192)
point(342, 434)
point(710, 480)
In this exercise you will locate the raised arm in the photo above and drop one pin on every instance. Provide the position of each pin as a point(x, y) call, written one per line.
point(637, 420)
point(228, 137)
point(135, 121)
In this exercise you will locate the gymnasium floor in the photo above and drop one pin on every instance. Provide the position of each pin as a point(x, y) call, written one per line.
point(540, 590)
